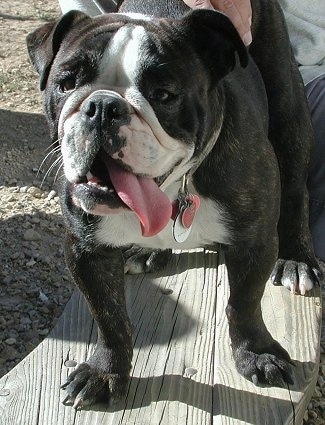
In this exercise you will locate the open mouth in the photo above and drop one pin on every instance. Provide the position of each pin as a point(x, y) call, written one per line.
point(108, 187)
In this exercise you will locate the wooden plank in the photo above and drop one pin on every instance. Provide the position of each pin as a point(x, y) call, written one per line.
point(295, 322)
point(182, 366)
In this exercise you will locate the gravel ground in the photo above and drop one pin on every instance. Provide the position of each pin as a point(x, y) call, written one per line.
point(34, 282)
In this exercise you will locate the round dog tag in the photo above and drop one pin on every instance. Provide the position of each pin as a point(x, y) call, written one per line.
point(193, 203)
point(180, 232)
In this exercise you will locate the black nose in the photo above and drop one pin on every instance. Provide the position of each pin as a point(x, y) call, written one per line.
point(106, 109)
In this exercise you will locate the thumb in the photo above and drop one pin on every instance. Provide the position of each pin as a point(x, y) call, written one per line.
point(199, 4)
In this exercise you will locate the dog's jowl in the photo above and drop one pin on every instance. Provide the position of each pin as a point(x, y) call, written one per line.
point(175, 135)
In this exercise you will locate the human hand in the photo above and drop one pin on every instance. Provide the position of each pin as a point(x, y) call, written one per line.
point(238, 11)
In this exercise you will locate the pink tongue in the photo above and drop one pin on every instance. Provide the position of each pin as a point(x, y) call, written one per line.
point(143, 196)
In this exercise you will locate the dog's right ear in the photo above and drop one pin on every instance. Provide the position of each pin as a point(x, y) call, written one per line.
point(44, 43)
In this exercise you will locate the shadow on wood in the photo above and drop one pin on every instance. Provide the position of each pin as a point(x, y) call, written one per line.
point(183, 370)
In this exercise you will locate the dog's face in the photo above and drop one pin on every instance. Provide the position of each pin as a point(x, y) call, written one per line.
point(123, 105)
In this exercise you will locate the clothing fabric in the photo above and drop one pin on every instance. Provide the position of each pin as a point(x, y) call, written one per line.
point(306, 25)
point(315, 91)
point(91, 7)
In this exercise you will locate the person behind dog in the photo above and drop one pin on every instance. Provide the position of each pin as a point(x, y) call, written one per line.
point(306, 26)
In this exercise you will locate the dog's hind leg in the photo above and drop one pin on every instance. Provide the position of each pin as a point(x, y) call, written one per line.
point(291, 134)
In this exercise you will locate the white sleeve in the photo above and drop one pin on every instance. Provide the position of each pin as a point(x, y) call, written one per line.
point(91, 7)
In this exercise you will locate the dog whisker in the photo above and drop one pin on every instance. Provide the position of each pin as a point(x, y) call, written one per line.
point(57, 162)
point(53, 151)
point(57, 172)
point(56, 144)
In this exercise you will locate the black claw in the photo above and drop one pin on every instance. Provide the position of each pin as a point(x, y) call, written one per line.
point(64, 386)
point(277, 272)
point(68, 400)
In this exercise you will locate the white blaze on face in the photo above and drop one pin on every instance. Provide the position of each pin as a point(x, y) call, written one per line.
point(120, 61)
point(149, 150)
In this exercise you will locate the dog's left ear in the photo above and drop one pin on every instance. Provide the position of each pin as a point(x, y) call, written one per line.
point(216, 40)
point(44, 43)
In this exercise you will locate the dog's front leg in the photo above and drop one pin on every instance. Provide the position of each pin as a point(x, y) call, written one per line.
point(98, 272)
point(257, 355)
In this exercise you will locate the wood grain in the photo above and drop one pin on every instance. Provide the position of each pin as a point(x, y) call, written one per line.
point(183, 372)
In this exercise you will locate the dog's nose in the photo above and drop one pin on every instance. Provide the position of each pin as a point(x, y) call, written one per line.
point(106, 109)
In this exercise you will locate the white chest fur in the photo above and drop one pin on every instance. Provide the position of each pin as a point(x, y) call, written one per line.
point(209, 226)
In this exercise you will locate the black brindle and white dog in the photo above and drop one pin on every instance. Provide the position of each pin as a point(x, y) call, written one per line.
point(174, 135)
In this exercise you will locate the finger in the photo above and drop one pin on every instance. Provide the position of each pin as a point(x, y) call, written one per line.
point(199, 4)
point(240, 14)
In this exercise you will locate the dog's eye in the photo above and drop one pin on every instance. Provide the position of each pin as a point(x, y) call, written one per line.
point(162, 96)
point(68, 84)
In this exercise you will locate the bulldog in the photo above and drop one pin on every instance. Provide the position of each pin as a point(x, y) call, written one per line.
point(174, 135)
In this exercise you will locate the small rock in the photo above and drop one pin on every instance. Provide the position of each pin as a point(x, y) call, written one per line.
point(15, 255)
point(11, 198)
point(317, 393)
point(190, 371)
point(321, 381)
point(24, 189)
point(35, 191)
point(25, 321)
point(35, 220)
point(166, 291)
point(51, 195)
point(70, 363)
point(10, 341)
point(7, 280)
point(32, 235)
point(43, 309)
point(44, 297)
point(321, 404)
point(312, 414)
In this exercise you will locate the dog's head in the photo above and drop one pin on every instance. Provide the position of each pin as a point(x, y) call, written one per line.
point(132, 101)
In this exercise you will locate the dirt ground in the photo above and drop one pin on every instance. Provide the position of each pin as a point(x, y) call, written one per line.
point(34, 282)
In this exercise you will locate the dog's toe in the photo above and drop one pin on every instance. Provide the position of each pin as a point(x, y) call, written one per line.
point(296, 276)
point(265, 368)
point(141, 260)
point(86, 386)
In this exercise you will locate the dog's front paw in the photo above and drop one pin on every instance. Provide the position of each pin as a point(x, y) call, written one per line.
point(271, 367)
point(142, 260)
point(91, 383)
point(296, 276)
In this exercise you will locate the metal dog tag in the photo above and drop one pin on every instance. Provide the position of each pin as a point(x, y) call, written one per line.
point(188, 205)
point(193, 203)
point(180, 232)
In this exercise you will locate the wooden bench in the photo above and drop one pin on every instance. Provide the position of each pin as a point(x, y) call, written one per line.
point(183, 372)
